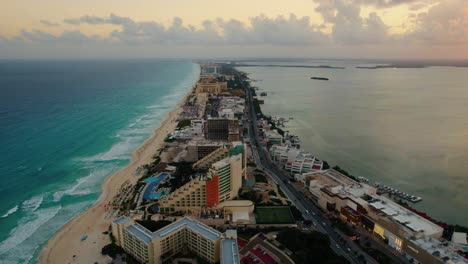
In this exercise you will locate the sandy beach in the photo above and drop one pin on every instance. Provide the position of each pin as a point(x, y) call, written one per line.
point(66, 245)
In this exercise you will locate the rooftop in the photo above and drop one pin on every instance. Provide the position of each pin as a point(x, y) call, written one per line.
point(459, 238)
point(439, 249)
point(146, 236)
point(123, 220)
point(334, 182)
point(404, 216)
point(229, 248)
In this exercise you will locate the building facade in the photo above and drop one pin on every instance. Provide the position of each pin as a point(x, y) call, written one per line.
point(210, 85)
point(222, 129)
point(359, 204)
point(294, 160)
point(180, 236)
point(221, 183)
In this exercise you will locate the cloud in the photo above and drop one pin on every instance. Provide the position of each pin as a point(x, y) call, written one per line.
point(348, 27)
point(343, 30)
point(386, 3)
point(261, 30)
point(49, 24)
point(444, 23)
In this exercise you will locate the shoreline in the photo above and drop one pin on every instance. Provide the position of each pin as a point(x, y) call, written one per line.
point(65, 246)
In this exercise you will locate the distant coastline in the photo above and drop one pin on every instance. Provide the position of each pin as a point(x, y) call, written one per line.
point(292, 66)
point(392, 66)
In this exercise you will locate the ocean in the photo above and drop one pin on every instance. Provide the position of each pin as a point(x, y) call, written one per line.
point(406, 128)
point(65, 127)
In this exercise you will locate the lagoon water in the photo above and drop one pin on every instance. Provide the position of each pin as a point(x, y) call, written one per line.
point(64, 127)
point(406, 128)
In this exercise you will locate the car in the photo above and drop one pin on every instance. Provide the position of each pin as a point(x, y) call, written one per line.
point(323, 223)
point(348, 249)
point(337, 246)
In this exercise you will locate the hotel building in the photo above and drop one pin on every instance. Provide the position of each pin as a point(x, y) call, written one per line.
point(185, 234)
point(210, 85)
point(221, 183)
point(222, 129)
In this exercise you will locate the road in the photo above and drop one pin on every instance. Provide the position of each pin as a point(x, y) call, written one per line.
point(343, 246)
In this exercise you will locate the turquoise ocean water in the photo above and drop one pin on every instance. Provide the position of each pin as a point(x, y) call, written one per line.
point(64, 127)
point(407, 128)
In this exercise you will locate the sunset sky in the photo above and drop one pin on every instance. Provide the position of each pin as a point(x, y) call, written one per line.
point(400, 29)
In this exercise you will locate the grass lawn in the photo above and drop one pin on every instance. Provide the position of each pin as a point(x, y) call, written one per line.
point(274, 215)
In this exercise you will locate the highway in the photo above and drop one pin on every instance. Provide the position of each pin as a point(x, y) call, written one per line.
point(310, 212)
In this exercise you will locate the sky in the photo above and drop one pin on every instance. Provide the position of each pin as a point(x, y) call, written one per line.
point(389, 29)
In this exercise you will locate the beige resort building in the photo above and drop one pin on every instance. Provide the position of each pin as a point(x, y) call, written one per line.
point(186, 233)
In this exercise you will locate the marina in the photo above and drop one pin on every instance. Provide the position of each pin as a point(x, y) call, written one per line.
point(383, 189)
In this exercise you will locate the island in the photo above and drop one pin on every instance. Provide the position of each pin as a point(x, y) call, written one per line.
point(319, 78)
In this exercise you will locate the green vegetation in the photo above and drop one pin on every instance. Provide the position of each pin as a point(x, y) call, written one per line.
point(379, 256)
point(448, 232)
point(260, 178)
point(257, 108)
point(340, 170)
point(153, 225)
point(247, 233)
point(112, 250)
point(343, 227)
point(168, 139)
point(273, 126)
point(274, 215)
point(272, 193)
point(296, 213)
point(281, 192)
point(182, 174)
point(183, 123)
point(309, 245)
point(250, 195)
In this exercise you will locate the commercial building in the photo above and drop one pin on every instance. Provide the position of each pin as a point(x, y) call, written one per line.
point(222, 129)
point(221, 183)
point(273, 137)
point(238, 211)
point(180, 236)
point(210, 85)
point(460, 241)
point(294, 160)
point(359, 203)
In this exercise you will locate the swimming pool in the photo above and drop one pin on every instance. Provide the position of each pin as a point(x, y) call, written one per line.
point(153, 182)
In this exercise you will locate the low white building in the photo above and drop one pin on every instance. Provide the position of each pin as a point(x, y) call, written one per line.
point(294, 160)
point(194, 130)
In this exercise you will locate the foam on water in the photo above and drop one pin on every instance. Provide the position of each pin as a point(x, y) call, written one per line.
point(85, 185)
point(33, 203)
point(10, 212)
point(32, 243)
point(27, 226)
point(41, 215)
